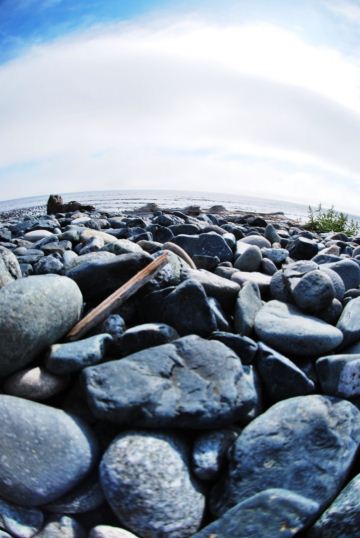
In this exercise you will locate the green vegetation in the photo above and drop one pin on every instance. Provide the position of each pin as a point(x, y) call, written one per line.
point(330, 220)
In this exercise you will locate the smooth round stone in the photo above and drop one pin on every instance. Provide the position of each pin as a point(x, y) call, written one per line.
point(250, 260)
point(49, 264)
point(303, 248)
point(306, 444)
point(105, 531)
point(62, 527)
point(20, 521)
point(349, 322)
point(34, 384)
point(342, 518)
point(313, 292)
point(145, 336)
point(44, 451)
point(208, 244)
point(336, 280)
point(257, 240)
point(74, 356)
point(348, 270)
point(209, 452)
point(35, 312)
point(123, 246)
point(147, 481)
point(223, 289)
point(271, 234)
point(9, 267)
point(243, 346)
point(276, 255)
point(339, 375)
point(288, 330)
point(37, 235)
point(272, 513)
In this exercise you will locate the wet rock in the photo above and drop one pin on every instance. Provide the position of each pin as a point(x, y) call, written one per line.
point(288, 330)
point(146, 479)
point(305, 444)
point(190, 383)
point(35, 312)
point(45, 452)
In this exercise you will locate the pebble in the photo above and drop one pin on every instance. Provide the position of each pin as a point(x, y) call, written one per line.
point(74, 356)
point(147, 481)
point(105, 531)
point(35, 312)
point(34, 383)
point(9, 267)
point(44, 451)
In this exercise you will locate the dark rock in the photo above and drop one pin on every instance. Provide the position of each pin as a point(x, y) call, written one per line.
point(145, 336)
point(349, 322)
point(243, 346)
point(45, 452)
point(247, 306)
point(271, 234)
point(223, 289)
point(49, 307)
point(20, 521)
point(98, 279)
point(55, 204)
point(313, 292)
point(303, 248)
point(62, 527)
point(210, 450)
point(348, 270)
point(249, 260)
point(339, 375)
point(305, 444)
point(147, 481)
point(48, 264)
point(336, 280)
point(288, 330)
point(272, 513)
point(85, 497)
point(206, 262)
point(281, 378)
point(190, 383)
point(34, 383)
point(276, 255)
point(74, 356)
point(332, 313)
point(268, 267)
point(208, 244)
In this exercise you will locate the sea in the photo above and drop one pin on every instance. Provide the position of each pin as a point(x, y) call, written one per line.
point(127, 200)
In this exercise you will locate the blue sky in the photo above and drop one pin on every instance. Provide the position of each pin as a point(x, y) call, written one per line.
point(260, 97)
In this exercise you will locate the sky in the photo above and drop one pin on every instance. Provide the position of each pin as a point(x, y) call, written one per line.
point(254, 97)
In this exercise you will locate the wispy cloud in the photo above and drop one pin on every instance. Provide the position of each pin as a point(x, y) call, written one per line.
point(345, 8)
point(243, 108)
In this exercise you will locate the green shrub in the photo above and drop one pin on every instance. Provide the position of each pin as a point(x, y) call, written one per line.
point(330, 220)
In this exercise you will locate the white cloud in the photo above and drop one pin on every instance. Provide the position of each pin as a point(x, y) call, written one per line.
point(247, 108)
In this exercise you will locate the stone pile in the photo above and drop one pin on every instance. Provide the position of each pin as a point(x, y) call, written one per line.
point(221, 400)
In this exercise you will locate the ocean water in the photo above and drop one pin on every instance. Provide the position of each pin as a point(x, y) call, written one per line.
point(122, 200)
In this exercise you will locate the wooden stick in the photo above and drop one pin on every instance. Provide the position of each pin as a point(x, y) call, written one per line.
point(104, 309)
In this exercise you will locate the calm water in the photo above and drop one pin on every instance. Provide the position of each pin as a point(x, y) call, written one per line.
point(133, 199)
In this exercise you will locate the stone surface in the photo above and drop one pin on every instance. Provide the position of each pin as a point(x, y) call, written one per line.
point(223, 289)
point(248, 304)
point(280, 377)
point(243, 346)
point(313, 292)
point(272, 513)
point(339, 375)
point(62, 527)
point(85, 497)
point(105, 531)
point(74, 356)
point(263, 281)
point(348, 270)
point(208, 244)
point(9, 267)
point(20, 521)
point(249, 260)
point(45, 452)
point(35, 312)
point(34, 383)
point(147, 482)
point(288, 330)
point(190, 383)
point(303, 248)
point(305, 444)
point(349, 322)
point(257, 240)
point(342, 518)
point(210, 450)
point(145, 336)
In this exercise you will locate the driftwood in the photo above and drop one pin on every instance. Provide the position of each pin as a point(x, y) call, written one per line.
point(104, 309)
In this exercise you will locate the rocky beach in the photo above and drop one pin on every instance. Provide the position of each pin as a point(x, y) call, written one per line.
point(177, 373)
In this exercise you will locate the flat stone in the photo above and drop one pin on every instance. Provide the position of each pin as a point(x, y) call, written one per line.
point(281, 378)
point(45, 452)
point(349, 322)
point(247, 306)
point(9, 267)
point(305, 444)
point(74, 356)
point(145, 336)
point(272, 513)
point(36, 235)
point(190, 383)
point(34, 383)
point(286, 329)
point(22, 522)
point(339, 375)
point(342, 518)
point(210, 451)
point(263, 281)
point(35, 312)
point(147, 481)
point(208, 244)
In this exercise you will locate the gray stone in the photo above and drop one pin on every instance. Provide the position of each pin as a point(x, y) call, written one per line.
point(305, 444)
point(303, 248)
point(190, 383)
point(20, 521)
point(36, 235)
point(268, 267)
point(349, 322)
point(71, 259)
point(276, 255)
point(85, 497)
point(145, 336)
point(314, 292)
point(45, 452)
point(271, 234)
point(123, 246)
point(49, 264)
point(9, 267)
point(35, 312)
point(348, 270)
point(208, 244)
point(74, 356)
point(257, 240)
point(210, 451)
point(263, 281)
point(288, 330)
point(34, 383)
point(247, 306)
point(147, 482)
point(336, 280)
point(272, 513)
point(243, 346)
point(223, 289)
point(332, 313)
point(280, 377)
point(280, 288)
point(339, 375)
point(342, 518)
point(62, 527)
point(250, 260)
point(105, 531)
